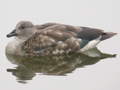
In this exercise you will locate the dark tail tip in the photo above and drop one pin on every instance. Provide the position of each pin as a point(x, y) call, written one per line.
point(107, 35)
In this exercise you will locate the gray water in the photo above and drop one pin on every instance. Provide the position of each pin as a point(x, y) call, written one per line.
point(97, 69)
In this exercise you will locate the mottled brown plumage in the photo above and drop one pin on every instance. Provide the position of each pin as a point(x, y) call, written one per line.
point(53, 39)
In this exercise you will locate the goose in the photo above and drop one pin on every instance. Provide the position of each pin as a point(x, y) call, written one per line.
point(53, 39)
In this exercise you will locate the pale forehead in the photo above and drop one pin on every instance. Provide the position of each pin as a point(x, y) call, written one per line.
point(24, 24)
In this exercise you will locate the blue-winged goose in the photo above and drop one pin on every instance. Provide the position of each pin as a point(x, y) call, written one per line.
point(53, 39)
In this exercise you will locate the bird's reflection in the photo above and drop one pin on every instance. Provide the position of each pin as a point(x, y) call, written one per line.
point(53, 65)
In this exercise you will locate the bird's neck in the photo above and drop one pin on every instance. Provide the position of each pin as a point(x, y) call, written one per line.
point(15, 46)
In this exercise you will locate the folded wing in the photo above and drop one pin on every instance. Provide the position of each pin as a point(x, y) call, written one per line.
point(57, 39)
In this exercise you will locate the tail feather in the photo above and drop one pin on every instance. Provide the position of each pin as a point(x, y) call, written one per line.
point(107, 35)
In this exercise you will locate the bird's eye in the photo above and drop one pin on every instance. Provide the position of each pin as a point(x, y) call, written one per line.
point(22, 27)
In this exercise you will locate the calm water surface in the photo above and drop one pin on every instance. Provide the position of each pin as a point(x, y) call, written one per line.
point(27, 67)
point(97, 69)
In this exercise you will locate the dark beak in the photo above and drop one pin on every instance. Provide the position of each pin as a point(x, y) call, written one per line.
point(13, 33)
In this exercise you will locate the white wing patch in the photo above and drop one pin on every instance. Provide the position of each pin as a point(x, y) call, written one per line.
point(92, 44)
